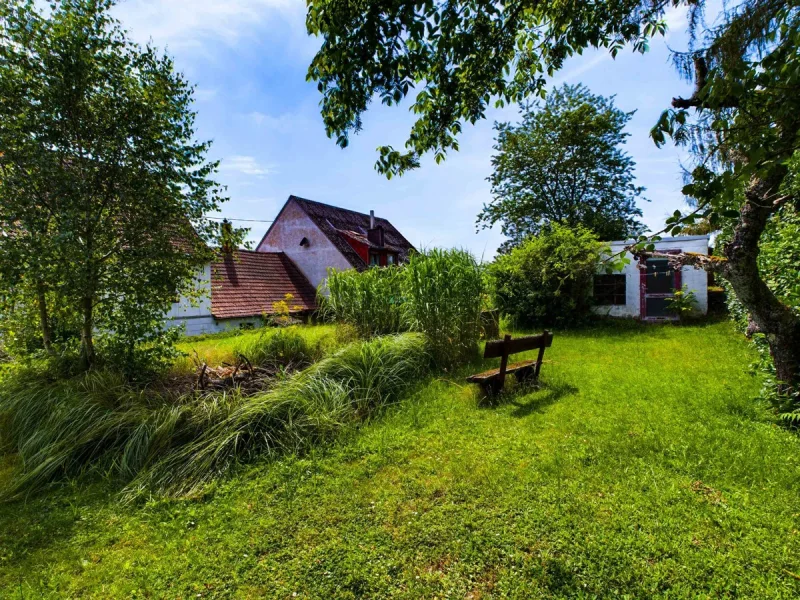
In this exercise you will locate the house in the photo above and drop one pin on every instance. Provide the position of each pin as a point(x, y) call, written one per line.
point(305, 240)
point(318, 236)
point(645, 286)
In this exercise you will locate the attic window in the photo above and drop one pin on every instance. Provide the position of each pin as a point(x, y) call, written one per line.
point(304, 242)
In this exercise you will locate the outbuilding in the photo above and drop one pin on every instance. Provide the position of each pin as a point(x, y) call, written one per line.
point(643, 289)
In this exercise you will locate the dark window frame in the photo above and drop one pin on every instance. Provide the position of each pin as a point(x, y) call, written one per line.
point(610, 289)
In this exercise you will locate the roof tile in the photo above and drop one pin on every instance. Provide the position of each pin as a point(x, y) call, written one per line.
point(247, 284)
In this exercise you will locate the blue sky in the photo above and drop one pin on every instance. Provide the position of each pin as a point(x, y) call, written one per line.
point(248, 59)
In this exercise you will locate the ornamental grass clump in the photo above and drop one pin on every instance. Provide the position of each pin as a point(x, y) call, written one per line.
point(438, 293)
point(308, 409)
point(444, 291)
point(370, 300)
point(98, 423)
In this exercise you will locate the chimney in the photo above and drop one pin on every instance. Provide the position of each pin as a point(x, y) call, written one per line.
point(226, 235)
point(375, 234)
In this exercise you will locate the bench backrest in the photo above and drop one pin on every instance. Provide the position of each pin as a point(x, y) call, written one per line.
point(508, 346)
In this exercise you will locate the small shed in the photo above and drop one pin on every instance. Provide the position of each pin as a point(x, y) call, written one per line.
point(645, 286)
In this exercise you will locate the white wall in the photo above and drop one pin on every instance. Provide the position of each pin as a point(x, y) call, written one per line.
point(195, 315)
point(292, 225)
point(695, 280)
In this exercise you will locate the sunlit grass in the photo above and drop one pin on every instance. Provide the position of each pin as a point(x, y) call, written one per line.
point(216, 350)
point(642, 468)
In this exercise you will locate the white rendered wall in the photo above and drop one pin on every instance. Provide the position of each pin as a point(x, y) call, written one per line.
point(195, 315)
point(292, 225)
point(695, 280)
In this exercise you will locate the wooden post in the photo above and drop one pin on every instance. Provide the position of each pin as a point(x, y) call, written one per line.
point(546, 334)
point(501, 376)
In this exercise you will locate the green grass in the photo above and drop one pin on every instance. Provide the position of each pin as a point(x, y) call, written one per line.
point(220, 348)
point(642, 468)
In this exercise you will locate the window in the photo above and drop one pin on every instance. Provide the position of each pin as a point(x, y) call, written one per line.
point(373, 259)
point(609, 289)
point(391, 259)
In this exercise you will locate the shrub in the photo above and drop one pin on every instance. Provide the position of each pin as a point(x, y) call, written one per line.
point(369, 300)
point(443, 291)
point(683, 303)
point(547, 280)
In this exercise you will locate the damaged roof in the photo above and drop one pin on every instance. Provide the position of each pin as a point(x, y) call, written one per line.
point(340, 223)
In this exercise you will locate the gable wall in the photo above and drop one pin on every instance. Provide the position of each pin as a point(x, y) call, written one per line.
point(291, 226)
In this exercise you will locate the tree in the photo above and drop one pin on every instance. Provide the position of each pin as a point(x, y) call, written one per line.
point(103, 186)
point(564, 163)
point(743, 126)
point(467, 54)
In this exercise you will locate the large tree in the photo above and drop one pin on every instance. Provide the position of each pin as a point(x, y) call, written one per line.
point(564, 163)
point(460, 56)
point(103, 186)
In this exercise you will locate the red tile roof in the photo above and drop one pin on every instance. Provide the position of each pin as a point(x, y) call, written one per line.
point(246, 284)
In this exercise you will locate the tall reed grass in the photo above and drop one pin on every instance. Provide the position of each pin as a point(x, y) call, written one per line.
point(438, 293)
point(444, 294)
point(98, 423)
point(370, 300)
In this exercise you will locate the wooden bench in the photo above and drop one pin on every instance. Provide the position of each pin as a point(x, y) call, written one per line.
point(493, 381)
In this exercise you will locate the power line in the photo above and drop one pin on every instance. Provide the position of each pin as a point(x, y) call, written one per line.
point(243, 220)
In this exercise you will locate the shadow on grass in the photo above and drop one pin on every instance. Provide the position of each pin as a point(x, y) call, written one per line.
point(539, 396)
point(529, 398)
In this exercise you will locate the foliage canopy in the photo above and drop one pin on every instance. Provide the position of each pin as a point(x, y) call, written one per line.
point(564, 163)
point(103, 186)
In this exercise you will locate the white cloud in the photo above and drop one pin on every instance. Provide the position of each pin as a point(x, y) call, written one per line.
point(188, 23)
point(246, 165)
point(676, 18)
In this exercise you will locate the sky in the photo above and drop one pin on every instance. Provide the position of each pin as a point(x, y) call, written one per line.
point(248, 60)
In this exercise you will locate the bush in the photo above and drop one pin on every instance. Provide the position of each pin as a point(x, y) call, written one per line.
point(443, 291)
point(683, 303)
point(547, 280)
point(368, 300)
point(99, 423)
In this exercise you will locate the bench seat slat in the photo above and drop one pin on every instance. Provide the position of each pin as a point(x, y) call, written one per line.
point(492, 373)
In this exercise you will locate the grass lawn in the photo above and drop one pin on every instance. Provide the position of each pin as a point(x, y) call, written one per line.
point(641, 468)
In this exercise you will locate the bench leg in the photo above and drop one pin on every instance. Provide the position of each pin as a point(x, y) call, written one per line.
point(492, 387)
point(528, 373)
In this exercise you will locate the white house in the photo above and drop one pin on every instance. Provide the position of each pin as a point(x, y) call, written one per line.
point(643, 289)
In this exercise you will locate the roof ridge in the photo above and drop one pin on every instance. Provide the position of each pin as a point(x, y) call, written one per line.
point(259, 251)
point(350, 210)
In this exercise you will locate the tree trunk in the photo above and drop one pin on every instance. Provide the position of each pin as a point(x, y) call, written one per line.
point(87, 332)
point(44, 318)
point(768, 315)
